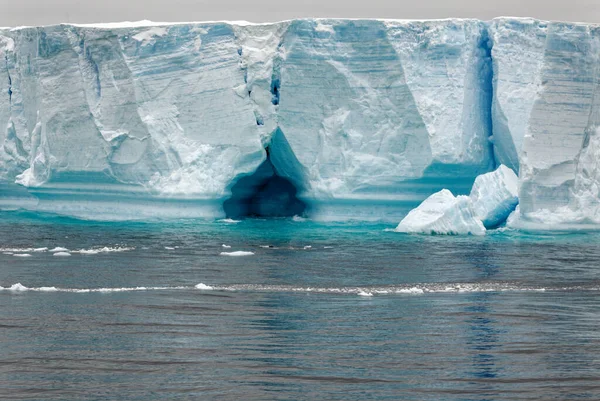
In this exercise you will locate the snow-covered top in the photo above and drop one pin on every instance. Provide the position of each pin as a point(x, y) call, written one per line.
point(148, 23)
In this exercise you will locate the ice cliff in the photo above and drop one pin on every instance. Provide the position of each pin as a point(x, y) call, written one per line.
point(332, 118)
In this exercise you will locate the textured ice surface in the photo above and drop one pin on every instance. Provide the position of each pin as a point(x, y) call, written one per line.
point(493, 198)
point(495, 195)
point(443, 213)
point(363, 118)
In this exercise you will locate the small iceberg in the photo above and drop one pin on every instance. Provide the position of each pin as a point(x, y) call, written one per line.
point(237, 253)
point(443, 213)
point(18, 287)
point(230, 221)
point(59, 249)
point(62, 254)
point(493, 197)
point(203, 286)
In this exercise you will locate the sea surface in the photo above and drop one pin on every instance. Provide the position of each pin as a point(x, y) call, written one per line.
point(290, 309)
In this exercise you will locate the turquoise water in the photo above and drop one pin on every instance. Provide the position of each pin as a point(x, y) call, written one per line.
point(317, 311)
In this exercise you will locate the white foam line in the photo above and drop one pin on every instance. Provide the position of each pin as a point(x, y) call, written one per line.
point(420, 289)
point(106, 249)
point(91, 251)
point(18, 287)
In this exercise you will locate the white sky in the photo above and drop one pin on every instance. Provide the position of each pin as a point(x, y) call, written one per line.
point(44, 12)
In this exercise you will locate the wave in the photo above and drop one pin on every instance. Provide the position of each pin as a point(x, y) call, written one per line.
point(60, 249)
point(18, 287)
point(418, 289)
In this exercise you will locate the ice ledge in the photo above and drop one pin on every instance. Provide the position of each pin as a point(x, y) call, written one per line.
point(148, 23)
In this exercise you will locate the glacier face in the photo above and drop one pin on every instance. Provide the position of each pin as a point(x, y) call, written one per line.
point(363, 118)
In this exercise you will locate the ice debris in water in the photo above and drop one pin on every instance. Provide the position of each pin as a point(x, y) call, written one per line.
point(230, 221)
point(226, 246)
point(18, 287)
point(493, 198)
point(443, 213)
point(59, 249)
point(22, 255)
point(237, 253)
point(62, 254)
point(203, 286)
point(365, 294)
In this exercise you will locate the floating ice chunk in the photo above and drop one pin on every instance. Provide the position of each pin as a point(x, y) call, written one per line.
point(203, 286)
point(365, 294)
point(62, 254)
point(230, 221)
point(22, 255)
point(170, 248)
point(299, 219)
point(59, 249)
point(40, 249)
point(47, 289)
point(237, 253)
point(412, 290)
point(495, 195)
point(443, 213)
point(226, 246)
point(307, 246)
point(88, 251)
point(18, 287)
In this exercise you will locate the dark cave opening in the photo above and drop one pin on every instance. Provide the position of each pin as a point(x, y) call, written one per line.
point(264, 194)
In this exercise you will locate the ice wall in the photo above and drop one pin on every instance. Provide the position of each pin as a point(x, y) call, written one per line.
point(150, 112)
point(547, 90)
point(375, 109)
point(364, 118)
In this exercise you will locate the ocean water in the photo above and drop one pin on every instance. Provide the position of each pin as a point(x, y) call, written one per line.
point(289, 309)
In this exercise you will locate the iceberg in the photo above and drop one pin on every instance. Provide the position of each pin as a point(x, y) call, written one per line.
point(443, 213)
point(331, 119)
point(495, 196)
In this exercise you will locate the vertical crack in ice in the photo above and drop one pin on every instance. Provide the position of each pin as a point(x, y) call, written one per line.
point(276, 78)
point(487, 88)
point(10, 92)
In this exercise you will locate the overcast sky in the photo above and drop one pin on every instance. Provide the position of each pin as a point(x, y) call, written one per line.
point(44, 12)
